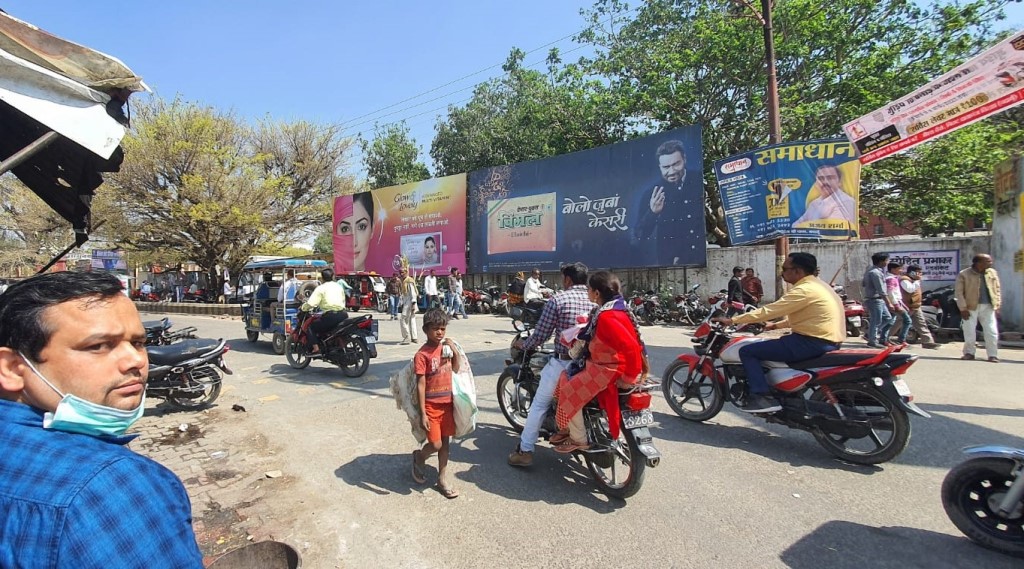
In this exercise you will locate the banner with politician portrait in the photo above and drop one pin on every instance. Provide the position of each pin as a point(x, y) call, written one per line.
point(808, 189)
point(424, 222)
point(632, 204)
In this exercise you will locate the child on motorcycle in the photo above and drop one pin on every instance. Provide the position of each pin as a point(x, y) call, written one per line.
point(433, 365)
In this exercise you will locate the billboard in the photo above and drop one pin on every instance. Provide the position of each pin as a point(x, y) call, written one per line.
point(808, 189)
point(632, 204)
point(109, 260)
point(990, 82)
point(422, 221)
point(935, 265)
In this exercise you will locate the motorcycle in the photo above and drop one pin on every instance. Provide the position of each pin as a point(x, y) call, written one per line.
point(689, 308)
point(722, 306)
point(854, 311)
point(647, 307)
point(350, 345)
point(186, 374)
point(984, 497)
point(616, 463)
point(525, 316)
point(854, 402)
point(158, 332)
point(138, 295)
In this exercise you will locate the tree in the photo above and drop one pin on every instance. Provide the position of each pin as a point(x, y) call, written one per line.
point(678, 62)
point(526, 115)
point(390, 158)
point(32, 233)
point(202, 183)
point(323, 244)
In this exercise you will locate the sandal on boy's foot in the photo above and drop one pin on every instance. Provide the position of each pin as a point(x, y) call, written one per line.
point(447, 492)
point(571, 446)
point(417, 469)
point(559, 437)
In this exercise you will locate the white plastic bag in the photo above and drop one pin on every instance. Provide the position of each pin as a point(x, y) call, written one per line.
point(464, 396)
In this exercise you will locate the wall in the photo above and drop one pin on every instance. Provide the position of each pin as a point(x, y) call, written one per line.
point(1007, 222)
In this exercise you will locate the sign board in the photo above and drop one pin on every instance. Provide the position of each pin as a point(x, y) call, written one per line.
point(935, 265)
point(987, 84)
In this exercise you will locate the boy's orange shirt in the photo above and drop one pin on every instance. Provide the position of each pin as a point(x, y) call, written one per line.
point(437, 371)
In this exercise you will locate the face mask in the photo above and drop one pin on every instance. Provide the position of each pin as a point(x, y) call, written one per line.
point(76, 415)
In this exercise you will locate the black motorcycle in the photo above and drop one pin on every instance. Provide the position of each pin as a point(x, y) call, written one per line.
point(350, 345)
point(690, 309)
point(984, 497)
point(187, 374)
point(158, 332)
point(525, 316)
point(618, 464)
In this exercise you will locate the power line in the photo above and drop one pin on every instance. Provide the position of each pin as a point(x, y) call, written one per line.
point(349, 126)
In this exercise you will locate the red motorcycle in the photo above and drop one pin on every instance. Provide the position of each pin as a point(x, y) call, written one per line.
point(854, 402)
point(854, 313)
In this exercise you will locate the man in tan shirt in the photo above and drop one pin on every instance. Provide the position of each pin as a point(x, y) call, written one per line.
point(811, 309)
point(978, 298)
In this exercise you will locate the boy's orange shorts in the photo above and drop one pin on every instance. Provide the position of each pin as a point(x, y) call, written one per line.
point(442, 420)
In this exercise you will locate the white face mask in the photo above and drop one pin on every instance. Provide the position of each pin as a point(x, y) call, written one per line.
point(76, 415)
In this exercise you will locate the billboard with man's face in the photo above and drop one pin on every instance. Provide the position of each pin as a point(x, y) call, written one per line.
point(633, 204)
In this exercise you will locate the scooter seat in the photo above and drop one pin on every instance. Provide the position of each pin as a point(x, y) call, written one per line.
point(155, 324)
point(180, 352)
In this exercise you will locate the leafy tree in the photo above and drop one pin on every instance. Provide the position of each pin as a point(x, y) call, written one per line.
point(391, 157)
point(526, 115)
point(323, 244)
point(678, 62)
point(32, 233)
point(200, 182)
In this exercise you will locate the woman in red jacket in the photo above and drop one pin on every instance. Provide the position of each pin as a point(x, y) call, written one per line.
point(613, 354)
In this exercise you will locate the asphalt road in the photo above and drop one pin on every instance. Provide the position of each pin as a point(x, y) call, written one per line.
point(734, 492)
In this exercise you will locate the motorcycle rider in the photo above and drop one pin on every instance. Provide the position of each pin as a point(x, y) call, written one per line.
point(329, 298)
point(559, 314)
point(811, 308)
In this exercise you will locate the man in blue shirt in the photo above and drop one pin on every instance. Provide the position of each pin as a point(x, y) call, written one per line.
point(73, 369)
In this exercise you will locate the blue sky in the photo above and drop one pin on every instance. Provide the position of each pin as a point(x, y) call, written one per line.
point(318, 60)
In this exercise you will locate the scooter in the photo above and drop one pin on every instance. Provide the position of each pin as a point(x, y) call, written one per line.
point(984, 497)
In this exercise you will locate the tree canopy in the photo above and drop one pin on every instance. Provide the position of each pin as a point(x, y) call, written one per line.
point(391, 157)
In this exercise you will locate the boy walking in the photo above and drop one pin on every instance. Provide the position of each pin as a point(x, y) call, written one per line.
point(434, 364)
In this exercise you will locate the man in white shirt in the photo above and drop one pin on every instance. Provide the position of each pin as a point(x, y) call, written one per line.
point(289, 287)
point(833, 203)
point(533, 286)
point(455, 286)
point(430, 289)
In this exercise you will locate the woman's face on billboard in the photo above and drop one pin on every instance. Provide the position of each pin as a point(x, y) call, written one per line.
point(359, 226)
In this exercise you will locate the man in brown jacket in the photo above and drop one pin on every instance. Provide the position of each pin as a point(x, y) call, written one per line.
point(910, 286)
point(977, 297)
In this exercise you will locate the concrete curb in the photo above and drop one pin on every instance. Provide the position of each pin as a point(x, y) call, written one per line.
point(191, 308)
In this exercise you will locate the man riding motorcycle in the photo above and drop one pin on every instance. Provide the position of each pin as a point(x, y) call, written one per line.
point(811, 308)
point(329, 297)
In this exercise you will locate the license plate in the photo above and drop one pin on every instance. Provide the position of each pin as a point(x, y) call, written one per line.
point(901, 387)
point(371, 340)
point(855, 320)
point(636, 419)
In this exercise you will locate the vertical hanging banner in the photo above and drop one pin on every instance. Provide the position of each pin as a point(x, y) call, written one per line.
point(991, 82)
point(633, 204)
point(423, 221)
point(808, 189)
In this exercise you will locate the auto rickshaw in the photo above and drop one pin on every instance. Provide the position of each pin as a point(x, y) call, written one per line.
point(258, 285)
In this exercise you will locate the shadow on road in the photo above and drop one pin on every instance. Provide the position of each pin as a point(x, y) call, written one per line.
point(848, 545)
point(381, 474)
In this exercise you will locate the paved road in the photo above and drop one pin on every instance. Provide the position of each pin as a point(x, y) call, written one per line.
point(735, 492)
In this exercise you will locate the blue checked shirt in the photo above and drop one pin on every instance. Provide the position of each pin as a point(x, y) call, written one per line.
point(69, 500)
point(560, 314)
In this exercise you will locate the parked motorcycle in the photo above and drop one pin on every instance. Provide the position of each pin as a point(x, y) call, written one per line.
point(854, 311)
point(186, 374)
point(690, 310)
point(158, 332)
point(648, 308)
point(722, 306)
point(138, 295)
point(984, 497)
point(350, 345)
point(854, 402)
point(617, 462)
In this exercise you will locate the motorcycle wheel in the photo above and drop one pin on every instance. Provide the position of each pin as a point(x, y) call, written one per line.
point(624, 474)
point(686, 316)
point(970, 493)
point(648, 317)
point(252, 335)
point(202, 385)
point(693, 396)
point(277, 343)
point(382, 304)
point(355, 349)
point(884, 415)
point(296, 354)
point(514, 401)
